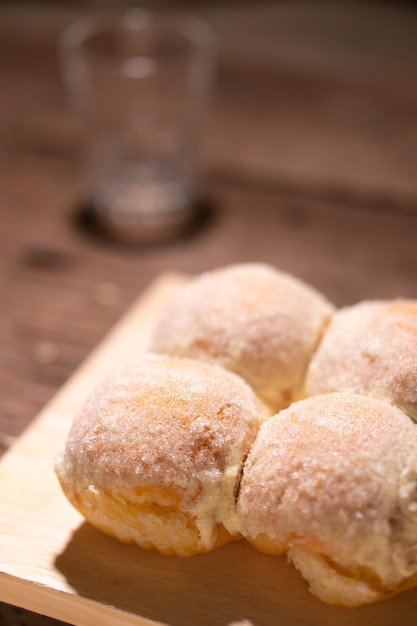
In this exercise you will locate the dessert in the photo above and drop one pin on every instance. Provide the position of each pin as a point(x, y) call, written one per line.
point(370, 348)
point(249, 318)
point(177, 451)
point(155, 455)
point(332, 482)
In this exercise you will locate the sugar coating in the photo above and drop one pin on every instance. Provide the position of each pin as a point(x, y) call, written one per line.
point(370, 348)
point(333, 480)
point(175, 425)
point(249, 318)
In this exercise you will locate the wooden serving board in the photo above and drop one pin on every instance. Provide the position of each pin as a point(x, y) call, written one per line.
point(54, 563)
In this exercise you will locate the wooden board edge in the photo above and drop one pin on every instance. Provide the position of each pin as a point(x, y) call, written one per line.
point(63, 606)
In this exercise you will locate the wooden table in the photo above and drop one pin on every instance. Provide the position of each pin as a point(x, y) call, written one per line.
point(311, 161)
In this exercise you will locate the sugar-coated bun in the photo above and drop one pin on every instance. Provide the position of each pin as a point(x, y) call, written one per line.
point(155, 455)
point(370, 348)
point(252, 319)
point(332, 482)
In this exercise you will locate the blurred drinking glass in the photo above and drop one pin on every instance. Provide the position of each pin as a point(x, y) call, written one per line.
point(141, 85)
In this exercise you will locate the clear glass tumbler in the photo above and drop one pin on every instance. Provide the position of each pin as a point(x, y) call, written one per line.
point(141, 84)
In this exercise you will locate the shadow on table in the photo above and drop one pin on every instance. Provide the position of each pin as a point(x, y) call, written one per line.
point(228, 585)
point(152, 233)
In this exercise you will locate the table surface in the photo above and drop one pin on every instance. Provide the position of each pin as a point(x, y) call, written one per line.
point(310, 154)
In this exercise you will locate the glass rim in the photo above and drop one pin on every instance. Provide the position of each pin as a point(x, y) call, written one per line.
point(193, 29)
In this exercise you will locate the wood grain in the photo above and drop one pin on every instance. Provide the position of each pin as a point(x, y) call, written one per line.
point(58, 565)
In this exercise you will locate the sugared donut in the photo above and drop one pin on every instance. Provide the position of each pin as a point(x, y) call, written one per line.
point(252, 319)
point(370, 348)
point(332, 482)
point(155, 455)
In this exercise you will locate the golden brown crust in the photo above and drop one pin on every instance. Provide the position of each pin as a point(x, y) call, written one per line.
point(155, 455)
point(332, 481)
point(249, 318)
